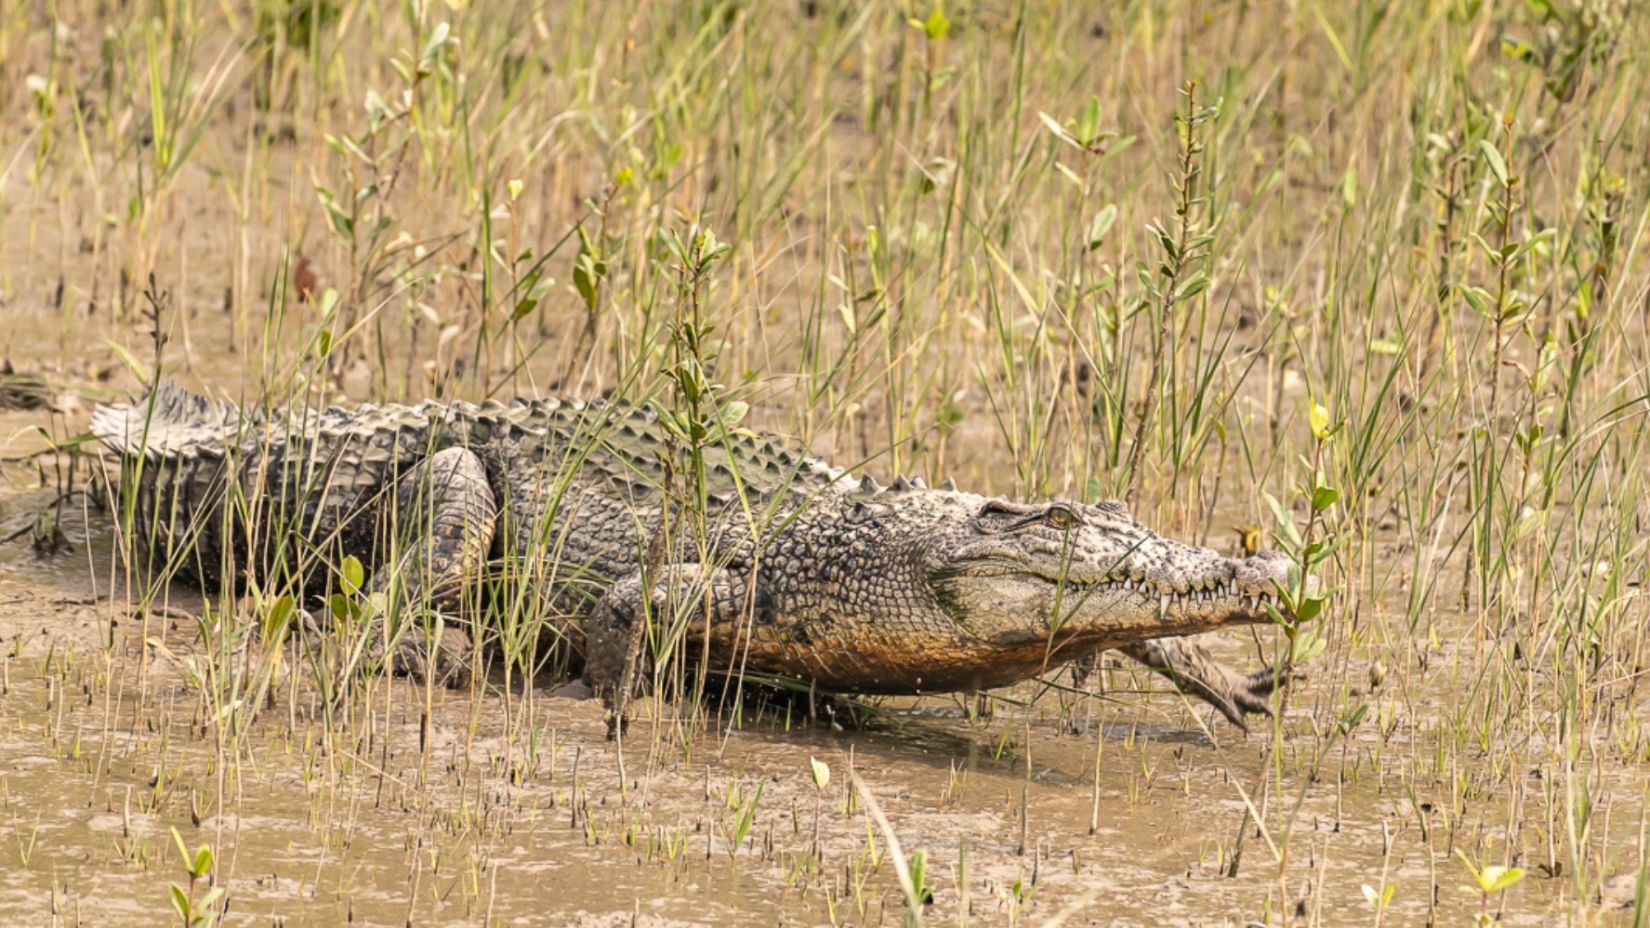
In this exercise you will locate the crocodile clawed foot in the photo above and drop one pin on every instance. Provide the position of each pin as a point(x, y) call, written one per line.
point(1195, 672)
point(446, 664)
point(1251, 694)
point(572, 689)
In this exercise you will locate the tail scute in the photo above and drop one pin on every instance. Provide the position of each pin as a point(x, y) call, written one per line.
point(166, 421)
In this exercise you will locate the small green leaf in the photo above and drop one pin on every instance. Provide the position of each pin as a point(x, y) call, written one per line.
point(917, 867)
point(1053, 125)
point(1101, 224)
point(353, 574)
point(183, 849)
point(1346, 725)
point(1192, 288)
point(180, 901)
point(432, 48)
point(1088, 123)
point(1308, 609)
point(535, 288)
point(1286, 524)
point(1324, 497)
point(732, 413)
point(1307, 647)
point(279, 616)
point(821, 772)
point(587, 276)
point(1497, 878)
point(1480, 300)
point(206, 902)
point(1492, 156)
point(377, 111)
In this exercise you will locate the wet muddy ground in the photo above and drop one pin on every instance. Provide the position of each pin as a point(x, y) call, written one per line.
point(510, 809)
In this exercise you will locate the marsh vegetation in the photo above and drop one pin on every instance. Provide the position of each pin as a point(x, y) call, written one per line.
point(1365, 282)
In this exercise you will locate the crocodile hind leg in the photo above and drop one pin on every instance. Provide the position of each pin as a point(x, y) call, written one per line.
point(1195, 672)
point(444, 515)
point(614, 639)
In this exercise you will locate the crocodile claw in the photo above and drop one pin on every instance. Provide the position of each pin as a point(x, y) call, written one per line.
point(1195, 672)
point(1245, 696)
point(448, 664)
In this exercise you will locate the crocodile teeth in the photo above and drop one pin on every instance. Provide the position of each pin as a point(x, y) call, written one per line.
point(1162, 606)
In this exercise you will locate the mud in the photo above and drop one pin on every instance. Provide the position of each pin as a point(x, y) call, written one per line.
point(516, 814)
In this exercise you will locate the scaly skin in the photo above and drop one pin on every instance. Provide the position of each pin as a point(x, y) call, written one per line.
point(802, 571)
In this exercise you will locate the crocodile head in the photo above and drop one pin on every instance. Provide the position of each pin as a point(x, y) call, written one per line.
point(1069, 578)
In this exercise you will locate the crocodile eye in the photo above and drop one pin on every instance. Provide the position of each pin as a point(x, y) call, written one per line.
point(1060, 517)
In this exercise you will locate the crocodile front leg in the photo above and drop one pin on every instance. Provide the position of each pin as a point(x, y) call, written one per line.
point(1195, 672)
point(444, 518)
point(617, 628)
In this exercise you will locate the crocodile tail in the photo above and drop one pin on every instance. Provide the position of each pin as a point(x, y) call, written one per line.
point(165, 422)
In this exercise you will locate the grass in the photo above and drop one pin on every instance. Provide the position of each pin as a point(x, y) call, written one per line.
point(1381, 264)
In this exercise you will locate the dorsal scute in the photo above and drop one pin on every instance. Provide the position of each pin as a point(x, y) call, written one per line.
point(868, 486)
point(630, 440)
point(168, 422)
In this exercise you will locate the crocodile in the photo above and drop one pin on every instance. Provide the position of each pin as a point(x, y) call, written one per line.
point(775, 561)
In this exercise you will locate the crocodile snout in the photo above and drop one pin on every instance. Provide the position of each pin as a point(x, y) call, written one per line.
point(1263, 572)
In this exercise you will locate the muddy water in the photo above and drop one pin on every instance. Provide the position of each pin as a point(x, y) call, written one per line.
point(318, 834)
point(515, 812)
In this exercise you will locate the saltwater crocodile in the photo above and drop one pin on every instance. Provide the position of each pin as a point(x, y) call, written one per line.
point(776, 562)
